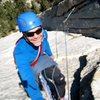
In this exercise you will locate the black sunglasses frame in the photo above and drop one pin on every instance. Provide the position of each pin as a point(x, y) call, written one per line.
point(30, 34)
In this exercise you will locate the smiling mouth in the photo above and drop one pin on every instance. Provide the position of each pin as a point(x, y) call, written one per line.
point(36, 40)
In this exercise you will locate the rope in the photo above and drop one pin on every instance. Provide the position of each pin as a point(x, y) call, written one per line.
point(67, 73)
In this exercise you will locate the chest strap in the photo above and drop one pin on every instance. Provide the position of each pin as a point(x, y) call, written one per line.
point(37, 58)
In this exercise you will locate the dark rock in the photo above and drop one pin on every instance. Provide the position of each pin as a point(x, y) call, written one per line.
point(85, 19)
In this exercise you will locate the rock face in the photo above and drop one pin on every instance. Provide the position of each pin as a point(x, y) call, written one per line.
point(85, 19)
point(78, 58)
point(9, 80)
point(83, 59)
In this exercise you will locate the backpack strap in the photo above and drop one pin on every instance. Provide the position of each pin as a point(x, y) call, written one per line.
point(37, 58)
point(16, 44)
point(18, 40)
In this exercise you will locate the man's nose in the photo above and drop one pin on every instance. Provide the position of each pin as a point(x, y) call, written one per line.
point(35, 35)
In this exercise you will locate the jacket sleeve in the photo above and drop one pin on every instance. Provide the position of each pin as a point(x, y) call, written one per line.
point(47, 45)
point(27, 75)
point(48, 49)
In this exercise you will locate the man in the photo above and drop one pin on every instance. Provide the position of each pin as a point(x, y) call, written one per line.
point(33, 55)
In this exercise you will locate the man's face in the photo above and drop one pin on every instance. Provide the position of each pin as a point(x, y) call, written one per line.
point(35, 36)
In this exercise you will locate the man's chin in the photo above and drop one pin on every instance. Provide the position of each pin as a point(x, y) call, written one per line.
point(36, 44)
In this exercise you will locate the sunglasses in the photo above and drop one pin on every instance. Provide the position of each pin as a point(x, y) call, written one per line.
point(30, 34)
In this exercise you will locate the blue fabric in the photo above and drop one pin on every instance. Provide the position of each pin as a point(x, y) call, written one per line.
point(24, 55)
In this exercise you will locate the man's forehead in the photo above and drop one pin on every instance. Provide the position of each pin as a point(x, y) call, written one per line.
point(34, 29)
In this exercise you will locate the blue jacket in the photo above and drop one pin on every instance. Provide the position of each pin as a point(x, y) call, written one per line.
point(24, 55)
